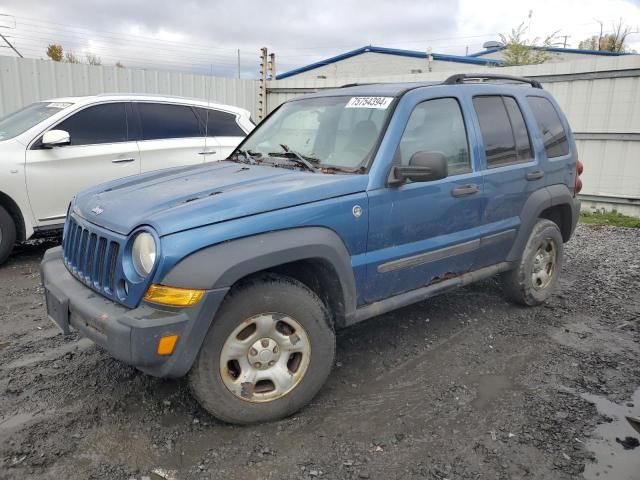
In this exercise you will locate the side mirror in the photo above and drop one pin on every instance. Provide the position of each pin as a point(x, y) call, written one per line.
point(423, 167)
point(55, 138)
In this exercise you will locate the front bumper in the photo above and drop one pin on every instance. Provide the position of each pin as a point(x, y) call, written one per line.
point(130, 335)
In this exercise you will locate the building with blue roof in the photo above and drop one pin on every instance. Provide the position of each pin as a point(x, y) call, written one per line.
point(371, 61)
point(556, 54)
point(377, 61)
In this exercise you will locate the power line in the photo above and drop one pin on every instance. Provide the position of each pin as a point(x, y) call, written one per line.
point(10, 45)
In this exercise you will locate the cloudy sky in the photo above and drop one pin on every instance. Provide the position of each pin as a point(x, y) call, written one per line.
point(205, 35)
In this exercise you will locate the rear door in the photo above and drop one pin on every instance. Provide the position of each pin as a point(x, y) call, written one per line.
point(101, 149)
point(171, 136)
point(511, 171)
point(424, 232)
point(221, 129)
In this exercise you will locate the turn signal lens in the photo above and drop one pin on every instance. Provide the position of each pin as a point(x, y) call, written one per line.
point(174, 296)
point(167, 344)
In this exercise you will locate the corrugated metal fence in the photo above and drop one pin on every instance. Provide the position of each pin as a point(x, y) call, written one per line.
point(25, 80)
point(601, 98)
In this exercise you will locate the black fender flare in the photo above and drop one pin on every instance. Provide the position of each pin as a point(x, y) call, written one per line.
point(223, 264)
point(537, 202)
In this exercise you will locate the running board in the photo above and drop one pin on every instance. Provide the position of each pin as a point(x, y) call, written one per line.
point(413, 296)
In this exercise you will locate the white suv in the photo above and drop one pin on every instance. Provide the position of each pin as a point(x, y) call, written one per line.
point(50, 150)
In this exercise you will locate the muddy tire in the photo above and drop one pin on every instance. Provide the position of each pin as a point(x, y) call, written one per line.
point(534, 279)
point(268, 352)
point(7, 235)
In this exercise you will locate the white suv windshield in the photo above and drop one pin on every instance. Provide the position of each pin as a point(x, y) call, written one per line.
point(22, 120)
point(325, 131)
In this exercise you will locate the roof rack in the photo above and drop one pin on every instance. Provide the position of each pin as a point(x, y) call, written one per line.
point(347, 85)
point(461, 77)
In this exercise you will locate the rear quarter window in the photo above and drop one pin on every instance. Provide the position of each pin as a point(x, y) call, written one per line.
point(550, 126)
point(218, 124)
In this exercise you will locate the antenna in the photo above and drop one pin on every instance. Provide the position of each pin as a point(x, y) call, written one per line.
point(206, 122)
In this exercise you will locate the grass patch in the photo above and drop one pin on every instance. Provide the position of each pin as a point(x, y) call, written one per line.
point(609, 218)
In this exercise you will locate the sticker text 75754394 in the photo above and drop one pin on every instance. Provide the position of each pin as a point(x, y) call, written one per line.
point(369, 102)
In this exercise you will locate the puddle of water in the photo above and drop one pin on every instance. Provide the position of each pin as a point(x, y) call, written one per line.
point(612, 460)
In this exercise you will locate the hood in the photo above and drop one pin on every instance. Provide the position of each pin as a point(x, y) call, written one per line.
point(187, 197)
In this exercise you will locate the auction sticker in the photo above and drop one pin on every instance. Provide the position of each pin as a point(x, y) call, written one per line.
point(369, 102)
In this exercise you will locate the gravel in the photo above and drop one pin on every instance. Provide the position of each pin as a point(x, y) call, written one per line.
point(464, 386)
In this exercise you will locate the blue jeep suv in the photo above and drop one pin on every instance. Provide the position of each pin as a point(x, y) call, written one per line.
point(340, 206)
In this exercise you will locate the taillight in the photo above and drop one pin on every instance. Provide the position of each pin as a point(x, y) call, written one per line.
point(578, 185)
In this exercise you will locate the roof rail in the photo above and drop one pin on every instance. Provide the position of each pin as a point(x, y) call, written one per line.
point(461, 77)
point(347, 85)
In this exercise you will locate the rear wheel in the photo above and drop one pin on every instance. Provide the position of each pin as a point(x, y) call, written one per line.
point(268, 352)
point(7, 234)
point(536, 276)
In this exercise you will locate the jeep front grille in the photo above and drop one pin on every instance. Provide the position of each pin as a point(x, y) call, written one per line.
point(91, 256)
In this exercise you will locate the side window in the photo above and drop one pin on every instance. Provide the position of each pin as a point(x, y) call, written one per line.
point(437, 126)
point(104, 123)
point(218, 124)
point(504, 132)
point(553, 134)
point(164, 120)
point(520, 132)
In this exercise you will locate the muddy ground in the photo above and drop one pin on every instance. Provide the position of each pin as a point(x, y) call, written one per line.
point(464, 386)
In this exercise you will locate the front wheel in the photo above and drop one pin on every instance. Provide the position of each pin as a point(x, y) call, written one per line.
point(267, 353)
point(7, 235)
point(533, 280)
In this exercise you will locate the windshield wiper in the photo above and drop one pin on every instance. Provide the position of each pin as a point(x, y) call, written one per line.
point(292, 155)
point(247, 156)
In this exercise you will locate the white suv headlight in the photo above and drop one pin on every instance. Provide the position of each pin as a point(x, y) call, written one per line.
point(143, 253)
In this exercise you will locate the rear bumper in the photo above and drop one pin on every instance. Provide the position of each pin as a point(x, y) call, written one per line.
point(575, 215)
point(130, 335)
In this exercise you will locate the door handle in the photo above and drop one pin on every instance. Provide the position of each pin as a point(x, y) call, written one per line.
point(465, 190)
point(207, 152)
point(123, 160)
point(534, 175)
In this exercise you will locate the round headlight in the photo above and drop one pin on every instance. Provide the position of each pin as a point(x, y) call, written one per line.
point(143, 253)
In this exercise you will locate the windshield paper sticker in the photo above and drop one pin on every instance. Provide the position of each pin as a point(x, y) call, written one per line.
point(370, 102)
point(58, 105)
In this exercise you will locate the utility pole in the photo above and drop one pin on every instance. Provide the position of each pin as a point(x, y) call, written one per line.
point(238, 64)
point(565, 39)
point(600, 36)
point(272, 65)
point(429, 58)
point(262, 95)
point(10, 45)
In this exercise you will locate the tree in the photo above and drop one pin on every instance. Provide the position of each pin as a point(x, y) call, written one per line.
point(521, 51)
point(609, 42)
point(119, 64)
point(70, 57)
point(93, 59)
point(54, 52)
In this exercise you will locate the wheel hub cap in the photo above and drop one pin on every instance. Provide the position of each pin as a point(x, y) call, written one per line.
point(265, 357)
point(264, 353)
point(544, 264)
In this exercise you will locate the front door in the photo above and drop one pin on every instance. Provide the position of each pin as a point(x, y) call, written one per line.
point(423, 232)
point(100, 150)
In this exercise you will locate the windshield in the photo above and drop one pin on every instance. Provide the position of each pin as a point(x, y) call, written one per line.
point(18, 122)
point(328, 132)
